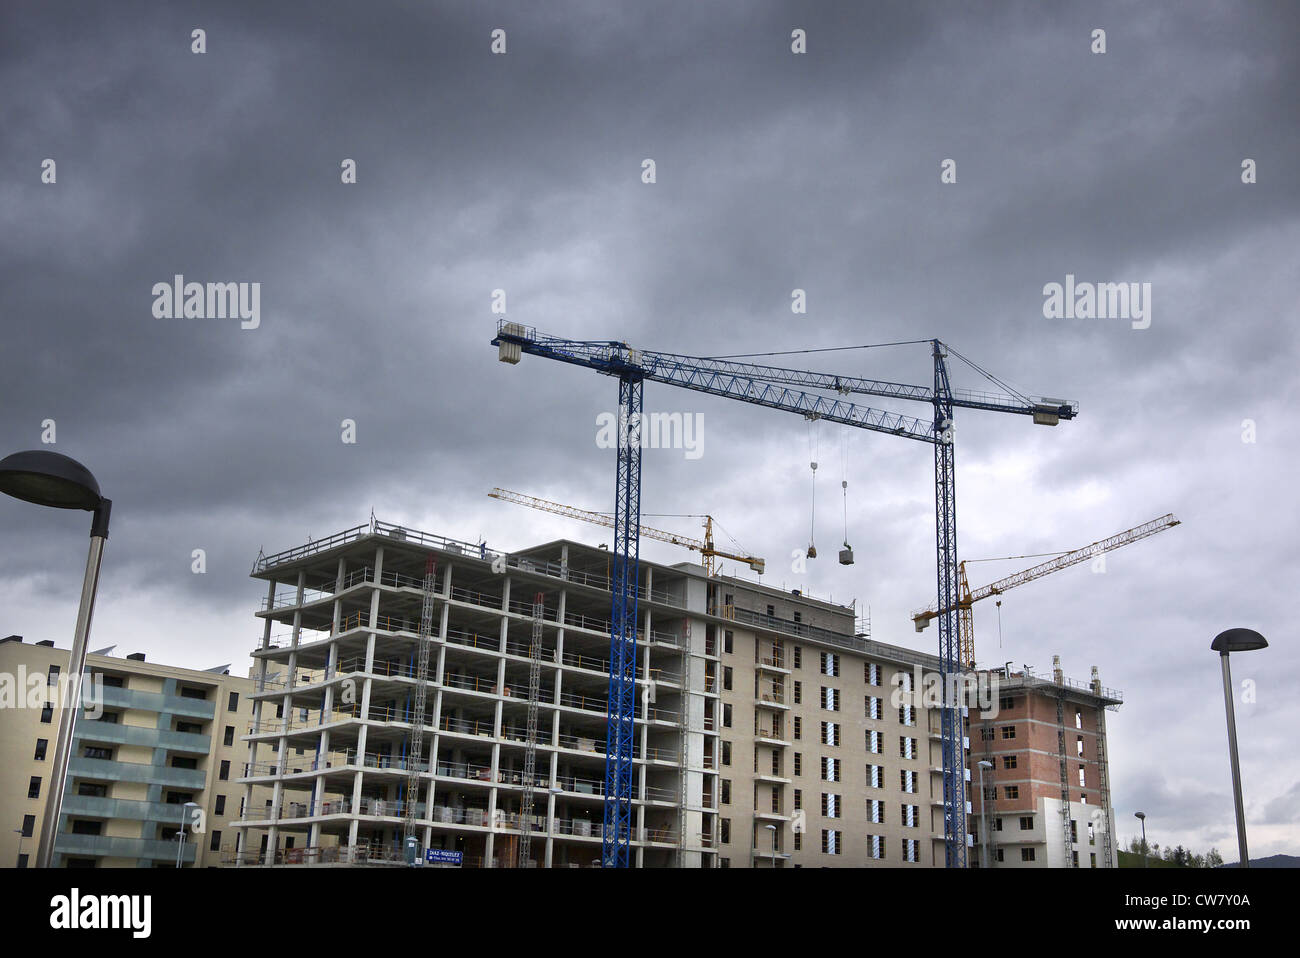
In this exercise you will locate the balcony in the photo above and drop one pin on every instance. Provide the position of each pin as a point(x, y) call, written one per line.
point(108, 770)
point(773, 663)
point(97, 730)
point(116, 847)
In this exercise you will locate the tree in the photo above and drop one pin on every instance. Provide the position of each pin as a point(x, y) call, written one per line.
point(1213, 859)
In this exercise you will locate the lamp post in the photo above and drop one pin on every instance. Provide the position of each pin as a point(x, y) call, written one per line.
point(1142, 816)
point(1236, 640)
point(772, 829)
point(984, 819)
point(51, 479)
point(180, 836)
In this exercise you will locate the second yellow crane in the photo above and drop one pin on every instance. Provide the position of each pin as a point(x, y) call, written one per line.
point(704, 547)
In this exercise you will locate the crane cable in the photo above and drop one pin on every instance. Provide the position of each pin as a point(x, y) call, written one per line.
point(844, 481)
point(812, 461)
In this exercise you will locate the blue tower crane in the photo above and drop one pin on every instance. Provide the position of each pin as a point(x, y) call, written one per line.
point(791, 390)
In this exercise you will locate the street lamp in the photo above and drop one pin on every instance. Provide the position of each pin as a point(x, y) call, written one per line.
point(50, 479)
point(984, 819)
point(772, 829)
point(1236, 640)
point(180, 836)
point(1143, 817)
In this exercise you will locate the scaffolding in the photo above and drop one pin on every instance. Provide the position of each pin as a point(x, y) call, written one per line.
point(1060, 748)
point(530, 740)
point(683, 747)
point(425, 642)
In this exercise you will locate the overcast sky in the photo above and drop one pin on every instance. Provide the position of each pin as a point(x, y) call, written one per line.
point(774, 171)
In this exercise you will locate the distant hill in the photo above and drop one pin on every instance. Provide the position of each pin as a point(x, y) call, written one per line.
point(1272, 861)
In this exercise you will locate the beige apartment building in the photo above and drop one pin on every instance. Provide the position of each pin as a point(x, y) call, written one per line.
point(151, 739)
point(769, 731)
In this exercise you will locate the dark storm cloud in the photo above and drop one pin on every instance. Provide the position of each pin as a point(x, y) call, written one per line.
point(775, 172)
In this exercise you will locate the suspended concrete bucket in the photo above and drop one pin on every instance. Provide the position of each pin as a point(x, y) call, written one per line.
point(846, 555)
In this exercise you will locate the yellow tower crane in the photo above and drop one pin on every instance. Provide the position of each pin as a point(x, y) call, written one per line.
point(704, 547)
point(965, 618)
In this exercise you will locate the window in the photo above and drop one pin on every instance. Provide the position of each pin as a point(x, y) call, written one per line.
point(233, 702)
point(874, 707)
point(1074, 832)
point(906, 747)
point(830, 769)
point(907, 779)
point(997, 824)
point(215, 844)
point(798, 657)
point(726, 715)
point(905, 682)
point(29, 822)
point(192, 727)
point(876, 846)
point(726, 753)
point(230, 735)
point(875, 776)
point(776, 763)
point(1008, 761)
point(34, 787)
point(726, 677)
point(798, 842)
point(830, 805)
point(220, 807)
point(47, 713)
point(990, 793)
point(830, 842)
point(54, 675)
point(907, 715)
point(911, 815)
point(1008, 731)
point(830, 699)
point(830, 663)
point(724, 831)
point(1007, 702)
point(726, 791)
point(830, 733)
point(776, 799)
point(798, 617)
point(1082, 781)
point(1026, 854)
point(727, 641)
point(225, 770)
point(798, 799)
point(798, 727)
point(875, 741)
point(189, 692)
point(1011, 791)
point(1093, 862)
point(1079, 746)
point(41, 745)
point(911, 850)
point(84, 827)
point(1026, 822)
point(798, 764)
point(1078, 719)
point(876, 811)
point(798, 693)
point(771, 612)
point(871, 673)
point(998, 856)
point(92, 789)
point(94, 751)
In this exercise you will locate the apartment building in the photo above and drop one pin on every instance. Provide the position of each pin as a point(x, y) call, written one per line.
point(1046, 792)
point(150, 739)
point(769, 733)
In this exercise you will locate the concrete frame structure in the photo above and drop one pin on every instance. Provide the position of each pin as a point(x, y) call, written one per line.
point(718, 721)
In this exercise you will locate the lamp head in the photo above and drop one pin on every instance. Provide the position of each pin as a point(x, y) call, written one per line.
point(1238, 640)
point(49, 479)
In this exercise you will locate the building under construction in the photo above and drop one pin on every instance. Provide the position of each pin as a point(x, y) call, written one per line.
point(770, 730)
